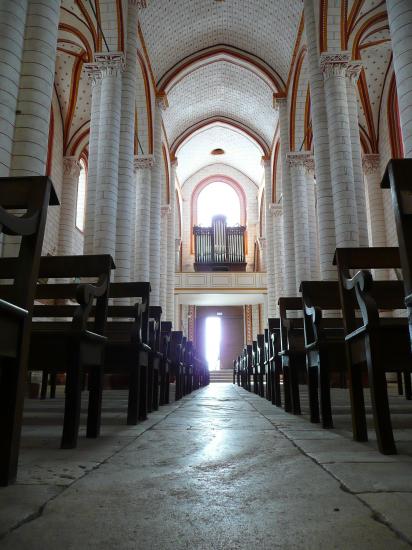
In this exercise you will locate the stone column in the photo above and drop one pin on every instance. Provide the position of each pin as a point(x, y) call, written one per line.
point(276, 211)
point(313, 222)
point(156, 202)
point(111, 66)
point(142, 166)
point(371, 167)
point(123, 260)
point(89, 220)
point(352, 75)
point(261, 242)
point(326, 220)
point(71, 173)
point(178, 246)
point(400, 26)
point(171, 232)
point(289, 267)
point(298, 178)
point(12, 26)
point(270, 266)
point(334, 66)
point(164, 256)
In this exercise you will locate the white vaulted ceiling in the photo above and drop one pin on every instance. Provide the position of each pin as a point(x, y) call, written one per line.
point(221, 89)
point(241, 152)
point(174, 29)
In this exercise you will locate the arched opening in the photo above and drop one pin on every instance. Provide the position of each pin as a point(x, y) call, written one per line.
point(81, 196)
point(218, 198)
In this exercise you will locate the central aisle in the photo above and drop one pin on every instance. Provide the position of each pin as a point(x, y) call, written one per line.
point(216, 473)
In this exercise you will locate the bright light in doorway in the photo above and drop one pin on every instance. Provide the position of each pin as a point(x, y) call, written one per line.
point(213, 337)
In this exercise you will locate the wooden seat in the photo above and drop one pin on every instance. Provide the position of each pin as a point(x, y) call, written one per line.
point(398, 178)
point(165, 366)
point(73, 347)
point(255, 367)
point(155, 357)
point(382, 344)
point(293, 353)
point(325, 346)
point(34, 195)
point(175, 361)
point(275, 361)
point(260, 364)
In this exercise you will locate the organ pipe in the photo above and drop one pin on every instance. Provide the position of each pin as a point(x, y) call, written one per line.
point(219, 243)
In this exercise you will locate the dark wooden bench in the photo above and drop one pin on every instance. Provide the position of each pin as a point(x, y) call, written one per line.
point(275, 361)
point(398, 177)
point(73, 347)
point(165, 366)
point(325, 346)
point(155, 357)
point(255, 377)
point(127, 351)
point(260, 364)
point(268, 376)
point(33, 195)
point(175, 361)
point(293, 353)
point(382, 344)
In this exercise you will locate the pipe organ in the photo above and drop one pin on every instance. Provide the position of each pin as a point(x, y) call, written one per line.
point(219, 247)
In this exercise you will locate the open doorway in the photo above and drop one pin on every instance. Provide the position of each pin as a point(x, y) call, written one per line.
point(213, 338)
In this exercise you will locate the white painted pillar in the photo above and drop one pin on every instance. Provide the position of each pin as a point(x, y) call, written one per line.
point(313, 222)
point(142, 166)
point(400, 26)
point(156, 202)
point(31, 135)
point(178, 248)
point(277, 214)
point(334, 66)
point(12, 26)
point(262, 244)
point(289, 267)
point(352, 75)
point(270, 266)
point(68, 202)
point(111, 66)
point(371, 166)
point(127, 185)
point(171, 257)
point(90, 211)
point(298, 179)
point(164, 256)
point(325, 212)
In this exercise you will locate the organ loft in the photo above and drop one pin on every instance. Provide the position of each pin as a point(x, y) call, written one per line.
point(205, 274)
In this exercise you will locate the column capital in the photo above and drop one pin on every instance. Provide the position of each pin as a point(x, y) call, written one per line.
point(139, 3)
point(161, 101)
point(265, 161)
point(275, 209)
point(105, 64)
point(371, 163)
point(334, 64)
point(165, 210)
point(71, 167)
point(173, 161)
point(142, 162)
point(354, 70)
point(301, 159)
point(261, 242)
point(279, 99)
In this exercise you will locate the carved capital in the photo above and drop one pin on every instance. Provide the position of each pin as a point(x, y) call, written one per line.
point(303, 160)
point(139, 3)
point(275, 209)
point(165, 210)
point(142, 162)
point(371, 164)
point(334, 64)
point(279, 99)
point(105, 64)
point(261, 242)
point(162, 101)
point(265, 161)
point(353, 71)
point(71, 167)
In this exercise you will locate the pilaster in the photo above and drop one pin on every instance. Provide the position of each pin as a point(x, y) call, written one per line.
point(142, 167)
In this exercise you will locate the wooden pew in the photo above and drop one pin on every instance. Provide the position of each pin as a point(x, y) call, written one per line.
point(269, 379)
point(275, 361)
point(155, 357)
point(165, 366)
point(398, 178)
point(325, 346)
point(34, 195)
point(381, 343)
point(260, 364)
point(292, 353)
point(175, 359)
point(127, 351)
point(254, 367)
point(73, 347)
point(249, 367)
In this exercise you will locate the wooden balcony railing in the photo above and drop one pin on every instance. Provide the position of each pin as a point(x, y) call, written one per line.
point(219, 247)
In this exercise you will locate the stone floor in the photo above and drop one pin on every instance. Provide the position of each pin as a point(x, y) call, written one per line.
point(222, 469)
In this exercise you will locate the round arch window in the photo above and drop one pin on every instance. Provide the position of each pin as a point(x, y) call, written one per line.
point(218, 198)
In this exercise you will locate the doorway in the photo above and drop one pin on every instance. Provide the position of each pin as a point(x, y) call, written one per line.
point(220, 334)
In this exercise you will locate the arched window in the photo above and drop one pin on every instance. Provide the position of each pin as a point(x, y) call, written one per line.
point(81, 196)
point(218, 198)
